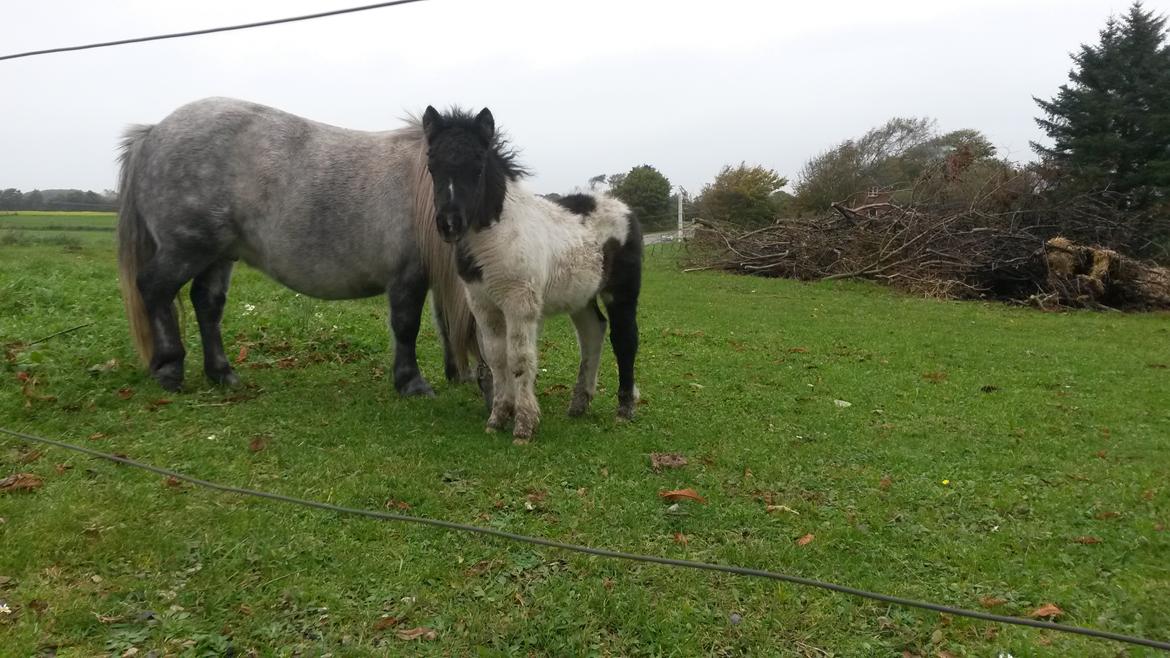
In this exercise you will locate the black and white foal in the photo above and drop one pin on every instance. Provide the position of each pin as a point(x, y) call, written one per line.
point(523, 257)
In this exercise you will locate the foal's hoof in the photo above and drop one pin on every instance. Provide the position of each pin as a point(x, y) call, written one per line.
point(495, 423)
point(627, 403)
point(579, 404)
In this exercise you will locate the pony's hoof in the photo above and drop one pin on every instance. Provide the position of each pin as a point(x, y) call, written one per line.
point(227, 379)
point(625, 413)
point(417, 387)
point(170, 377)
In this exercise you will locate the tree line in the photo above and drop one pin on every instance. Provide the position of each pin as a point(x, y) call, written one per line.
point(1108, 131)
point(63, 200)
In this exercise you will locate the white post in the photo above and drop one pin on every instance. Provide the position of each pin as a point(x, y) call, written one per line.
point(681, 192)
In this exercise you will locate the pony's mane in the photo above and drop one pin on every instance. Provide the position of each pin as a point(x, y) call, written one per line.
point(507, 156)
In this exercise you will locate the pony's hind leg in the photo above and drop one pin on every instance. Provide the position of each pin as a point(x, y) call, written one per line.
point(158, 282)
point(406, 304)
point(590, 324)
point(208, 296)
point(623, 336)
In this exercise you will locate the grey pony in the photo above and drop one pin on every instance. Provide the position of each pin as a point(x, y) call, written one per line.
point(329, 212)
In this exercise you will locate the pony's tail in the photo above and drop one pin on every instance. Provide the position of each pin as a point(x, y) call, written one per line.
point(133, 244)
point(452, 314)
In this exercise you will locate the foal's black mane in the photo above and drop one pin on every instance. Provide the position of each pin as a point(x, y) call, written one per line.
point(505, 155)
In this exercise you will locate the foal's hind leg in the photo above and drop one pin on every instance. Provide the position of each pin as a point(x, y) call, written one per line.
point(208, 296)
point(623, 335)
point(590, 324)
point(406, 303)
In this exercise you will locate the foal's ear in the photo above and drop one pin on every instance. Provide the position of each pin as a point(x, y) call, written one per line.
point(486, 124)
point(432, 122)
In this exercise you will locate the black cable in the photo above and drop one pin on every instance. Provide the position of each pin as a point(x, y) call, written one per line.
point(210, 30)
point(602, 552)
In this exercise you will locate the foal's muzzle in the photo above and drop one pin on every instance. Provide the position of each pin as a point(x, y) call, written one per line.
point(450, 226)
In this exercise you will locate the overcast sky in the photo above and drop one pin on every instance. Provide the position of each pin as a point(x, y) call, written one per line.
point(583, 87)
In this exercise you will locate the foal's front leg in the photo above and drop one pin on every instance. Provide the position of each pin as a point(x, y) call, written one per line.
point(493, 331)
point(523, 327)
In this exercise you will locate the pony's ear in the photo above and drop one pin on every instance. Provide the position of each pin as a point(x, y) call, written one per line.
point(486, 124)
point(432, 122)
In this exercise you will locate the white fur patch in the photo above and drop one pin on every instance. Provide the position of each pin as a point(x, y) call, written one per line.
point(540, 247)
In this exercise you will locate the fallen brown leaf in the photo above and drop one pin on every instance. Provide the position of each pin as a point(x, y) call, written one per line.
point(991, 601)
point(1046, 610)
point(680, 538)
point(1100, 454)
point(61, 468)
point(243, 355)
point(1086, 539)
point(257, 444)
point(397, 504)
point(422, 632)
point(29, 457)
point(161, 402)
point(806, 540)
point(798, 350)
point(173, 481)
point(681, 494)
point(125, 392)
point(385, 622)
point(21, 482)
point(97, 436)
point(885, 482)
point(1148, 494)
point(661, 460)
point(944, 654)
point(934, 377)
point(537, 495)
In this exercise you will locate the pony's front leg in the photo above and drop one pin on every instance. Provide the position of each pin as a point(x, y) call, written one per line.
point(406, 304)
point(523, 328)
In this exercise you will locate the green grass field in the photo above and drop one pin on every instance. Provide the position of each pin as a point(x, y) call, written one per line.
point(990, 456)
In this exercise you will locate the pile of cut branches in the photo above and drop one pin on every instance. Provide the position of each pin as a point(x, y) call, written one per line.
point(944, 250)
